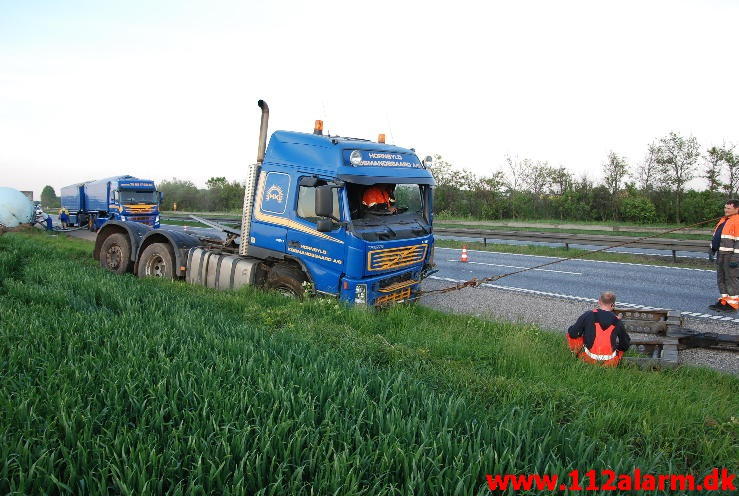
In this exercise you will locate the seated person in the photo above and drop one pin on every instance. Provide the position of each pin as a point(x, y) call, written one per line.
point(599, 336)
point(378, 197)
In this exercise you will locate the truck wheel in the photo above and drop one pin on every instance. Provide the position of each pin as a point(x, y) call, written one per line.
point(157, 260)
point(115, 254)
point(287, 279)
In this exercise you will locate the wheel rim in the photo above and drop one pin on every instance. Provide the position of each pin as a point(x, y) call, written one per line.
point(156, 266)
point(287, 292)
point(113, 257)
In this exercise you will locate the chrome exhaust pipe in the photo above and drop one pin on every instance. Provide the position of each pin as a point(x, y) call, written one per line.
point(263, 131)
point(250, 185)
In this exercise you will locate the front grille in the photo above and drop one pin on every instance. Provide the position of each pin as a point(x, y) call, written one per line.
point(395, 297)
point(142, 220)
point(393, 258)
point(398, 285)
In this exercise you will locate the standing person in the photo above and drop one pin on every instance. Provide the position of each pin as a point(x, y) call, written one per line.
point(599, 336)
point(63, 217)
point(725, 241)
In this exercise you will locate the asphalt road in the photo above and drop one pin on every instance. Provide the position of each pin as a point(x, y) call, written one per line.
point(635, 285)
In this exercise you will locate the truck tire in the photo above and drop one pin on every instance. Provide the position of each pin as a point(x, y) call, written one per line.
point(115, 254)
point(157, 260)
point(287, 279)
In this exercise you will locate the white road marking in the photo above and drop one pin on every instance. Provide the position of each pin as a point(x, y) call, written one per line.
point(576, 260)
point(582, 298)
point(517, 267)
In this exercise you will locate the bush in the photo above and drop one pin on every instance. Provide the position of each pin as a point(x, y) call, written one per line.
point(638, 209)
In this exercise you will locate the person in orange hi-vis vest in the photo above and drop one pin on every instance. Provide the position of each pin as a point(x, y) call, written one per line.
point(599, 336)
point(378, 197)
point(725, 241)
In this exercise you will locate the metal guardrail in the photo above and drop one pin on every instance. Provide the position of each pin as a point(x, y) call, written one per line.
point(494, 225)
point(673, 245)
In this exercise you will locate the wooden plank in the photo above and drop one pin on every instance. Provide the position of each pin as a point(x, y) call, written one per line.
point(669, 352)
point(633, 314)
point(645, 327)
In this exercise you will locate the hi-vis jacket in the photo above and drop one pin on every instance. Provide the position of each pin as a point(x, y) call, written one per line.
point(729, 243)
point(603, 334)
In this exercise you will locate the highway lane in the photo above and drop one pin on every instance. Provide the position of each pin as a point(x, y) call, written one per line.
point(645, 286)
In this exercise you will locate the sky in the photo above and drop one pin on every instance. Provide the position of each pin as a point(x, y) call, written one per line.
point(163, 89)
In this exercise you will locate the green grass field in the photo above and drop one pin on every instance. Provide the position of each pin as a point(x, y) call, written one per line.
point(116, 385)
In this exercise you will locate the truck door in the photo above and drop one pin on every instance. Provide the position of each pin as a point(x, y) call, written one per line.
point(324, 253)
point(271, 214)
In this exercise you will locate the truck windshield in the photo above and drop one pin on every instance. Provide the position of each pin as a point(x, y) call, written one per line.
point(132, 196)
point(388, 211)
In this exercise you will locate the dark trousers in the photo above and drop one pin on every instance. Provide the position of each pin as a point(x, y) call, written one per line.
point(728, 278)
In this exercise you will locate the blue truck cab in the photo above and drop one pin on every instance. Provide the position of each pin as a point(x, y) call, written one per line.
point(307, 225)
point(121, 198)
point(357, 253)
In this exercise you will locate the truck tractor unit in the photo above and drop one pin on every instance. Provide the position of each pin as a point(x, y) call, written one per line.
point(120, 198)
point(307, 225)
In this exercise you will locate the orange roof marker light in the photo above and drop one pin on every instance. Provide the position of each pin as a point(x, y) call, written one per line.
point(318, 128)
point(381, 138)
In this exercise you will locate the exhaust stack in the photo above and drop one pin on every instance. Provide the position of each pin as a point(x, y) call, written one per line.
point(263, 131)
point(251, 182)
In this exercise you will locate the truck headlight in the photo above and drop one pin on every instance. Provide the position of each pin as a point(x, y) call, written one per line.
point(360, 294)
point(156, 220)
point(355, 157)
point(123, 217)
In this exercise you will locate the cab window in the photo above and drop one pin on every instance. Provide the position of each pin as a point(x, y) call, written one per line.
point(307, 203)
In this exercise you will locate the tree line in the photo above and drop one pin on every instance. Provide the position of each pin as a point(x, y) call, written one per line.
point(653, 190)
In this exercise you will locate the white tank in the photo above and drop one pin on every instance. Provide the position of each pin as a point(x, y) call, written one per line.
point(15, 208)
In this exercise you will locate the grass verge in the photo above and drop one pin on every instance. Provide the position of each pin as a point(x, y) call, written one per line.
point(546, 251)
point(116, 385)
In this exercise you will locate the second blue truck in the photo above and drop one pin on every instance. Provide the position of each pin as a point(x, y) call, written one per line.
point(121, 198)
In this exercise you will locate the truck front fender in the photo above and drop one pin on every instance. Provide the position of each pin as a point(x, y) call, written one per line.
point(180, 242)
point(135, 232)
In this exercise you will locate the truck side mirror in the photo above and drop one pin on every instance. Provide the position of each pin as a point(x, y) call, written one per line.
point(324, 201)
point(161, 197)
point(324, 225)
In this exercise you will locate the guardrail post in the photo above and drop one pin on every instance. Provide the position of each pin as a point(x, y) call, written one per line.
point(484, 241)
point(567, 246)
point(674, 256)
point(710, 255)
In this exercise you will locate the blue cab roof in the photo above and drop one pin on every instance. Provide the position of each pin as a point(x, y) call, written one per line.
point(330, 155)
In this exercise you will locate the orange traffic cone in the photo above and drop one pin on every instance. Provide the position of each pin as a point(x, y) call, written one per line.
point(464, 257)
